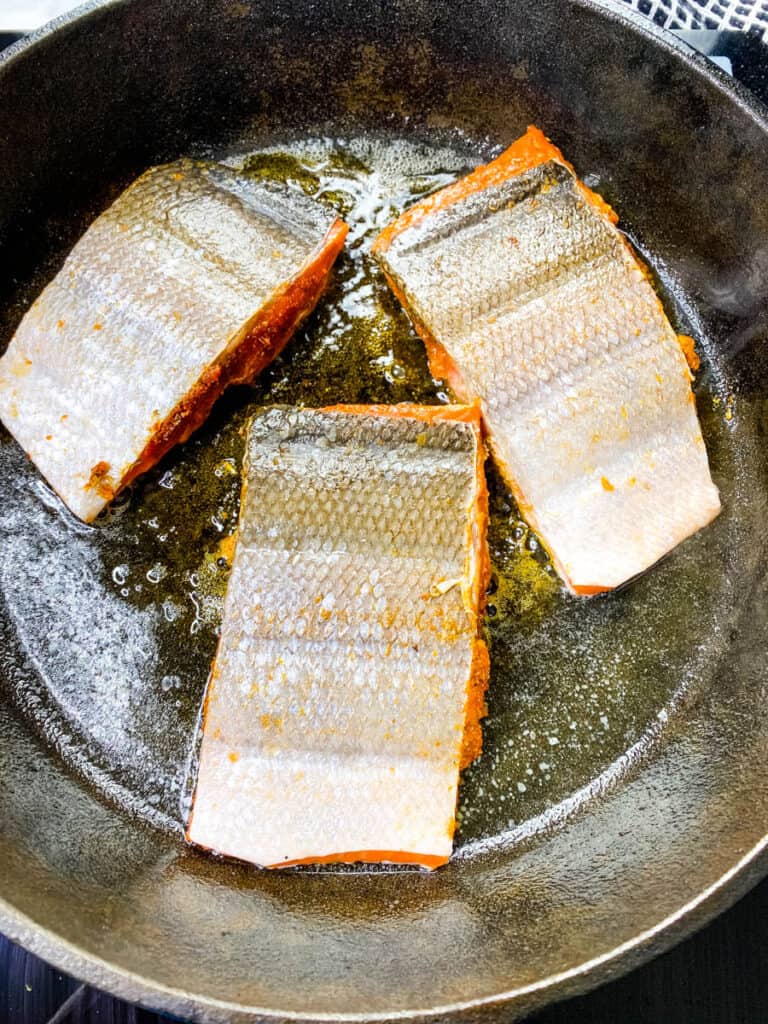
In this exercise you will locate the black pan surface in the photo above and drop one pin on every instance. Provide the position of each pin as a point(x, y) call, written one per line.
point(622, 796)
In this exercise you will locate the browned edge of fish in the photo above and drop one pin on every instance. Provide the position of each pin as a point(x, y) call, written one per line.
point(247, 353)
point(529, 151)
point(478, 574)
point(479, 567)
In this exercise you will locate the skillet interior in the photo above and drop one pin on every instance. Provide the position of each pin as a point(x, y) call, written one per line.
point(641, 816)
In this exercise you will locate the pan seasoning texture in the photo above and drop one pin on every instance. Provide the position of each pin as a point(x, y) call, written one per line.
point(622, 798)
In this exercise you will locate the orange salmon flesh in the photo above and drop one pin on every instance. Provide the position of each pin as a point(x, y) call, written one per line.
point(532, 303)
point(348, 687)
point(193, 280)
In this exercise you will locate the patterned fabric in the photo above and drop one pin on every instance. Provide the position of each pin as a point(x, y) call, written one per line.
point(743, 15)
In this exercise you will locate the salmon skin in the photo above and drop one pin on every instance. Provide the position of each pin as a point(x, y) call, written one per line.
point(531, 301)
point(194, 279)
point(348, 685)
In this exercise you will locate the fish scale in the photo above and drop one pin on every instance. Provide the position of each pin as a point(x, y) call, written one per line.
point(532, 303)
point(339, 699)
point(192, 280)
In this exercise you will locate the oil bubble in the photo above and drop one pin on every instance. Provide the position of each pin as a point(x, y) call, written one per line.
point(120, 574)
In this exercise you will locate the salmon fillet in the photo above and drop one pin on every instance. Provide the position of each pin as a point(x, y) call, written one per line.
point(347, 689)
point(531, 302)
point(192, 280)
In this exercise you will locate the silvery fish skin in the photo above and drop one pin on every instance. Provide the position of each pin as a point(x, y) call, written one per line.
point(549, 320)
point(338, 700)
point(193, 279)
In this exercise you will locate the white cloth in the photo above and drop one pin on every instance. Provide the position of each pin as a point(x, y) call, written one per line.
point(743, 15)
point(25, 15)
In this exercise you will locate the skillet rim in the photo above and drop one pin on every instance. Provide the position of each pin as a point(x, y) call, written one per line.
point(732, 885)
point(715, 899)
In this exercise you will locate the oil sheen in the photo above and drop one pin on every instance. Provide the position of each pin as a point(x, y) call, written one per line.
point(119, 620)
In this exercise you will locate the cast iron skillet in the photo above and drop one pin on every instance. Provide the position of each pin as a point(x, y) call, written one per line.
point(628, 838)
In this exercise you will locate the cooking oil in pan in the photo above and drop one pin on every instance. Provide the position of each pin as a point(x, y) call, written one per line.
point(119, 620)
